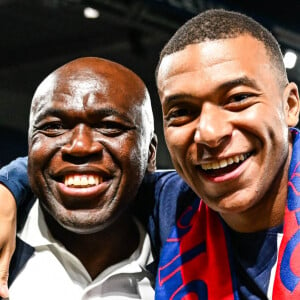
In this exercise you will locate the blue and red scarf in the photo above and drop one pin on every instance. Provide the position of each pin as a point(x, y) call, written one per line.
point(196, 262)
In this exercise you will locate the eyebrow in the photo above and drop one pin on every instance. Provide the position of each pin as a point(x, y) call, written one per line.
point(238, 81)
point(244, 80)
point(101, 113)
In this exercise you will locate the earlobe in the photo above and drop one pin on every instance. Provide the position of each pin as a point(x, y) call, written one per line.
point(152, 154)
point(292, 101)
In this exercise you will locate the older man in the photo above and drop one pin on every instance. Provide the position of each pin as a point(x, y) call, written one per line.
point(91, 142)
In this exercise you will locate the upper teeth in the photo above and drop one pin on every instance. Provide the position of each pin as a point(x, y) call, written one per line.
point(82, 180)
point(224, 162)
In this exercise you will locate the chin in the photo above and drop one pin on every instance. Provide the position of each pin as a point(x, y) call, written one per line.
point(83, 228)
point(87, 223)
point(235, 208)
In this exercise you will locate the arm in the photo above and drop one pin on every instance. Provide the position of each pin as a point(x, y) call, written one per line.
point(14, 191)
point(14, 177)
point(7, 235)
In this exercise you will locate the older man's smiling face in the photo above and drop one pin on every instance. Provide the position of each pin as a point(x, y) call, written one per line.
point(89, 144)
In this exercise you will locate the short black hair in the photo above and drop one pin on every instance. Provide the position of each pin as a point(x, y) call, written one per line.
point(215, 24)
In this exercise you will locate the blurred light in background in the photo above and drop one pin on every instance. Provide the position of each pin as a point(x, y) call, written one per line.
point(91, 13)
point(290, 59)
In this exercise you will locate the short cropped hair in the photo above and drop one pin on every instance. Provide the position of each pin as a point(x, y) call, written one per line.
point(215, 24)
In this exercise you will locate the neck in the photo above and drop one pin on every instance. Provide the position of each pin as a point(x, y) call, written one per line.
point(99, 250)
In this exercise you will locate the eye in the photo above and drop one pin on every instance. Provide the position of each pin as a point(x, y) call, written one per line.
point(112, 128)
point(239, 97)
point(178, 116)
point(241, 101)
point(51, 128)
point(177, 113)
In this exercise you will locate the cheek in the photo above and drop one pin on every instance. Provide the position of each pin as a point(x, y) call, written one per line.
point(265, 124)
point(178, 140)
point(181, 146)
point(36, 167)
point(37, 150)
point(41, 145)
point(127, 152)
point(41, 154)
point(137, 160)
point(36, 146)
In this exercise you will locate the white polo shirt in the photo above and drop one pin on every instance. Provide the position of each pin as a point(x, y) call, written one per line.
point(54, 273)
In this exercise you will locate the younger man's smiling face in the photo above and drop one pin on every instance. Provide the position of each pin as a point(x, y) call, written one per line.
point(226, 121)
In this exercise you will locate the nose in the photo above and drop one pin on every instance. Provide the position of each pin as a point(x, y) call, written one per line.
point(214, 126)
point(82, 142)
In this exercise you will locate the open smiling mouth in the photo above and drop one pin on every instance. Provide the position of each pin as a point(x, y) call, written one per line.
point(223, 166)
point(79, 190)
point(82, 180)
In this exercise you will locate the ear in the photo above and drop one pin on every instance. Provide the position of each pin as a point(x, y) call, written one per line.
point(152, 154)
point(291, 97)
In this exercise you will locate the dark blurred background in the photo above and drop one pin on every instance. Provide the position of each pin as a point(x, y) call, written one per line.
point(39, 36)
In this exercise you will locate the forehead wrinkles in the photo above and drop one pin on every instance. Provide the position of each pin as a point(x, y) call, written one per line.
point(75, 90)
point(82, 91)
point(83, 88)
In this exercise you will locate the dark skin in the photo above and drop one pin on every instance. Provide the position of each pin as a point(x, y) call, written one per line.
point(91, 142)
point(217, 80)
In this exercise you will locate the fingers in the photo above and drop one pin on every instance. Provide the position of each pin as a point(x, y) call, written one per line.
point(5, 257)
point(3, 285)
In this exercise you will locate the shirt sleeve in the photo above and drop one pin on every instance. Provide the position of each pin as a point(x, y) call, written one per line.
point(162, 197)
point(14, 177)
